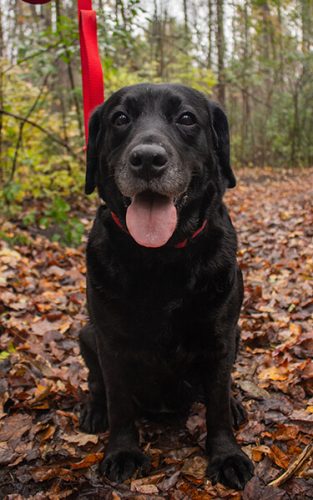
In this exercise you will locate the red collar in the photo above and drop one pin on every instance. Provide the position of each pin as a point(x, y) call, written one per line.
point(182, 244)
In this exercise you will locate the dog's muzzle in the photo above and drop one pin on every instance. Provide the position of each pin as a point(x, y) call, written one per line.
point(148, 161)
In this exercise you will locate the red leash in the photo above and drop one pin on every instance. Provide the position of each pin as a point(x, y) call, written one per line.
point(92, 76)
point(93, 87)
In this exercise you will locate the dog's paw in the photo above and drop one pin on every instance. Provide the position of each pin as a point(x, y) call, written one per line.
point(121, 465)
point(233, 471)
point(239, 415)
point(93, 418)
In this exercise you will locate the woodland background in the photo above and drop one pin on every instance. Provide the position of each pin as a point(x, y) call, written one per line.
point(255, 57)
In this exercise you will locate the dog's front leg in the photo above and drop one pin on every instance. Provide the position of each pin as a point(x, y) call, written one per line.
point(227, 462)
point(123, 455)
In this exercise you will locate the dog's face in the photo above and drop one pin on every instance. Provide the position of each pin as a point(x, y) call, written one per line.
point(156, 154)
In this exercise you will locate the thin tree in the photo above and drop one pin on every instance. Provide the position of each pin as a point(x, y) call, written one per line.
point(220, 42)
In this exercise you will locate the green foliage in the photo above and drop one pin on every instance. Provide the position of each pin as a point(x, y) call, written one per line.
point(63, 227)
point(268, 68)
point(56, 212)
point(17, 239)
point(6, 354)
point(116, 77)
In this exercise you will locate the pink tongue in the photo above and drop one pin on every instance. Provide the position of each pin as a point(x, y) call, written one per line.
point(151, 219)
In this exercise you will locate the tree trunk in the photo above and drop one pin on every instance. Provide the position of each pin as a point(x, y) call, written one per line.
point(210, 33)
point(306, 9)
point(245, 90)
point(280, 45)
point(185, 17)
point(1, 101)
point(220, 51)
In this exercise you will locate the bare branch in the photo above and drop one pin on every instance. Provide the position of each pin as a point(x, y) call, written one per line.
point(53, 137)
point(20, 135)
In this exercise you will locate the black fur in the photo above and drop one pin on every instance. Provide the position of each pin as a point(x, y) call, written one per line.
point(163, 321)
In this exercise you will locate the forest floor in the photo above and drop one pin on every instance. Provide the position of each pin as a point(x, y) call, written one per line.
point(42, 377)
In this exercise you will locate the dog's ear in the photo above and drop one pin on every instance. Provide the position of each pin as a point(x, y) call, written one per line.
point(221, 142)
point(92, 150)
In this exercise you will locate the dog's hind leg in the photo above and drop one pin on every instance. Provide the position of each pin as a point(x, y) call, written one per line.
point(93, 415)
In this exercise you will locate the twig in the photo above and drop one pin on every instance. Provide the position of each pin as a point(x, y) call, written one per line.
point(53, 138)
point(294, 467)
point(20, 135)
point(31, 56)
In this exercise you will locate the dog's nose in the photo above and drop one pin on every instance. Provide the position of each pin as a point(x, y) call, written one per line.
point(148, 160)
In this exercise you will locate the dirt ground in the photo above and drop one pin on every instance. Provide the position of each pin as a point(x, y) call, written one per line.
point(42, 377)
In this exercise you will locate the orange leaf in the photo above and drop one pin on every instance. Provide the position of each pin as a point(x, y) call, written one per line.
point(88, 460)
point(279, 457)
point(285, 432)
point(274, 373)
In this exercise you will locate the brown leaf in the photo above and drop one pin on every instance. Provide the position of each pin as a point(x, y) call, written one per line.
point(81, 439)
point(14, 301)
point(43, 326)
point(195, 467)
point(55, 271)
point(257, 490)
point(169, 482)
point(41, 392)
point(9, 256)
point(252, 389)
point(47, 433)
point(301, 416)
point(174, 456)
point(7, 455)
point(192, 492)
point(250, 432)
point(47, 472)
point(147, 489)
point(15, 426)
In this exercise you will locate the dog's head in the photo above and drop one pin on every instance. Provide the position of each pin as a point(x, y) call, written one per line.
point(159, 155)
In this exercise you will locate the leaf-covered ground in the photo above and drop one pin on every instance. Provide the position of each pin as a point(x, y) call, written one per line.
point(42, 377)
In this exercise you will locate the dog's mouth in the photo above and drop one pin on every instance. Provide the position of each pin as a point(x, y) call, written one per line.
point(151, 218)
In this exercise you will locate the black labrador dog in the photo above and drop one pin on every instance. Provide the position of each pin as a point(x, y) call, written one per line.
point(163, 285)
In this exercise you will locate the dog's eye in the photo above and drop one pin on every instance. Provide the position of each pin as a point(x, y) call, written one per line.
point(187, 119)
point(120, 119)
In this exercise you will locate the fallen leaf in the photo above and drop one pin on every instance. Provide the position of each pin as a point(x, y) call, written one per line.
point(252, 389)
point(279, 457)
point(7, 454)
point(195, 467)
point(81, 439)
point(274, 373)
point(15, 426)
point(147, 489)
point(285, 432)
point(88, 460)
point(47, 472)
point(257, 490)
point(259, 451)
